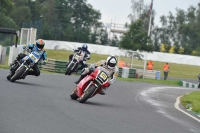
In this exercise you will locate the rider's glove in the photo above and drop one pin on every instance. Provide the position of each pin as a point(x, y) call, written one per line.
point(91, 69)
point(112, 81)
point(88, 57)
point(43, 62)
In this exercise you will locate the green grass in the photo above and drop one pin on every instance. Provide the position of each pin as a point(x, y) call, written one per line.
point(166, 82)
point(176, 70)
point(64, 55)
point(192, 99)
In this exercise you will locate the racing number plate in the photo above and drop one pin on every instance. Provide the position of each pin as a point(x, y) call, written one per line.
point(33, 57)
point(103, 75)
point(76, 57)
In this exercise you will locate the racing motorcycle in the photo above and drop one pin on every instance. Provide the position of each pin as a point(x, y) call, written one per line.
point(73, 64)
point(89, 86)
point(20, 69)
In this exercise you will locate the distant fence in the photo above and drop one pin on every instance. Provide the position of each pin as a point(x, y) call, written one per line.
point(59, 66)
point(53, 65)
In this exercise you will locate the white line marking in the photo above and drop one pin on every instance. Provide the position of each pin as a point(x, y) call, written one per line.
point(177, 107)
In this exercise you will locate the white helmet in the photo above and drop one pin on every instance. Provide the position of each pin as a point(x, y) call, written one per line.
point(111, 62)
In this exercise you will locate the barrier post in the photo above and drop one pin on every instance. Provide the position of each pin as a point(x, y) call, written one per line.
point(158, 75)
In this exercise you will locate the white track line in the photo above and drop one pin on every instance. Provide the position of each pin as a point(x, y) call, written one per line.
point(177, 107)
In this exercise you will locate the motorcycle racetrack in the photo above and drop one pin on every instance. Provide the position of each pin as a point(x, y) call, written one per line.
point(43, 105)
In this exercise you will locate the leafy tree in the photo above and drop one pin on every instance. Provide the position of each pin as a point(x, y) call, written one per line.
point(171, 49)
point(6, 21)
point(104, 37)
point(34, 9)
point(136, 38)
point(114, 41)
point(162, 48)
point(94, 37)
point(6, 6)
point(46, 32)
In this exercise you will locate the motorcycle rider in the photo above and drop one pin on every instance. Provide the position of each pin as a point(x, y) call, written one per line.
point(109, 65)
point(38, 47)
point(85, 56)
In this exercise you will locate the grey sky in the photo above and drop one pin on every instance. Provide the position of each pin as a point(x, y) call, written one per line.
point(118, 10)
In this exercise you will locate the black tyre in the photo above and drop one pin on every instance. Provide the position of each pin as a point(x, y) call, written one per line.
point(68, 71)
point(87, 94)
point(8, 77)
point(17, 74)
point(73, 94)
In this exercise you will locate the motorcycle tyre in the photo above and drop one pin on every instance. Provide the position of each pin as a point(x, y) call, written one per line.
point(68, 71)
point(17, 74)
point(73, 94)
point(86, 95)
point(8, 77)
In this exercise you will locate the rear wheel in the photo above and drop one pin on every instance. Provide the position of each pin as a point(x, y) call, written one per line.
point(73, 94)
point(87, 94)
point(17, 74)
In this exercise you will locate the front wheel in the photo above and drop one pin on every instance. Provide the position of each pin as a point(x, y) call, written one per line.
point(87, 94)
point(8, 77)
point(68, 71)
point(18, 74)
point(73, 94)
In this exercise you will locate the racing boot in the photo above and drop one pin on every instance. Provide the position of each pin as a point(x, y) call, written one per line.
point(81, 77)
point(76, 70)
point(102, 91)
point(13, 64)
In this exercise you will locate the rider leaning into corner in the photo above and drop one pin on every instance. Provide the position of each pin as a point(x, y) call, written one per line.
point(38, 47)
point(109, 65)
point(85, 56)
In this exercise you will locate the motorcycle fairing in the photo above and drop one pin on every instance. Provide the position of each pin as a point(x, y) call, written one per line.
point(90, 78)
point(34, 57)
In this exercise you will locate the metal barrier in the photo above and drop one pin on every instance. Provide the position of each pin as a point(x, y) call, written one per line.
point(126, 72)
point(59, 66)
point(151, 74)
point(53, 65)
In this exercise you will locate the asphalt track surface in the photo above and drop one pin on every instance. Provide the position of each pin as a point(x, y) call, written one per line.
point(43, 105)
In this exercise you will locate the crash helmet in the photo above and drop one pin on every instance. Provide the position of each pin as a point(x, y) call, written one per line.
point(40, 44)
point(84, 47)
point(111, 62)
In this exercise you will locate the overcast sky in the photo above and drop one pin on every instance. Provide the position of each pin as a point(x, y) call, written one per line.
point(118, 10)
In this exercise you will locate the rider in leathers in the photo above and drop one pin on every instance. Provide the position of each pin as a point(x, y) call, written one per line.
point(38, 47)
point(85, 56)
point(109, 65)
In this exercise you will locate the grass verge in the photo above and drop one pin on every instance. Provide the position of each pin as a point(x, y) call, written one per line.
point(165, 82)
point(192, 100)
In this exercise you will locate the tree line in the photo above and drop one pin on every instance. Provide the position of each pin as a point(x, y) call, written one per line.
point(78, 21)
point(65, 20)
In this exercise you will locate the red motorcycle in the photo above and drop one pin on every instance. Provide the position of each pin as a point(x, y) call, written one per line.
point(91, 85)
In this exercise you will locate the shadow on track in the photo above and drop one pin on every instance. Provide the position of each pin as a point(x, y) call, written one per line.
point(90, 103)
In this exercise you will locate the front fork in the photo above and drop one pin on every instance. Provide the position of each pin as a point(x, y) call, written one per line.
point(89, 87)
point(26, 71)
